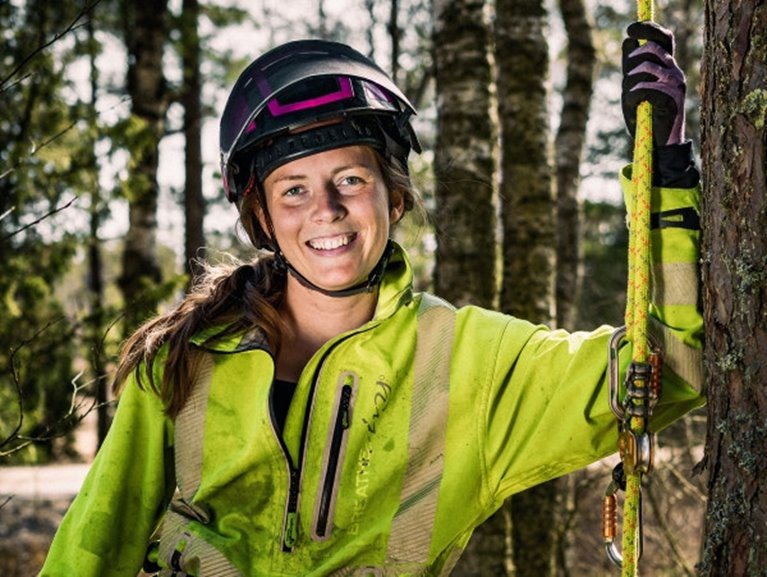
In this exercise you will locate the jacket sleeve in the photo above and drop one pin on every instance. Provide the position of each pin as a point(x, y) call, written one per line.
point(107, 528)
point(546, 411)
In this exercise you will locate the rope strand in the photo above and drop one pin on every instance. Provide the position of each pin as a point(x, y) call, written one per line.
point(638, 302)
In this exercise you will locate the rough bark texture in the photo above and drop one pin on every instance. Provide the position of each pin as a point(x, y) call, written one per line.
point(145, 36)
point(194, 203)
point(527, 197)
point(465, 155)
point(568, 146)
point(529, 231)
point(735, 286)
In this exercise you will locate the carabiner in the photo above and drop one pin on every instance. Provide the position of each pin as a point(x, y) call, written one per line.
point(610, 520)
point(617, 338)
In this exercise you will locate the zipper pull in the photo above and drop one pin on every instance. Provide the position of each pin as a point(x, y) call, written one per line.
point(291, 517)
point(346, 395)
point(291, 531)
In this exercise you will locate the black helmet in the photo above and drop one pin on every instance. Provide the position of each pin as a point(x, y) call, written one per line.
point(301, 84)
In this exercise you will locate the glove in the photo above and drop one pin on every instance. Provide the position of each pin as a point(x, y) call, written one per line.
point(650, 73)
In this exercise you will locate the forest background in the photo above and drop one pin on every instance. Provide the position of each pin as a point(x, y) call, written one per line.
point(110, 192)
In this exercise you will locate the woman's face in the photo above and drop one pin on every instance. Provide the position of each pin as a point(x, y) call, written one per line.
point(331, 214)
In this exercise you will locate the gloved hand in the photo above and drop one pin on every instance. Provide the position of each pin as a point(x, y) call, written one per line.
point(650, 73)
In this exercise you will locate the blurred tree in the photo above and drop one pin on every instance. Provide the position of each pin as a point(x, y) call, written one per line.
point(465, 170)
point(42, 152)
point(465, 155)
point(146, 33)
point(97, 318)
point(734, 155)
point(569, 146)
point(194, 203)
point(529, 232)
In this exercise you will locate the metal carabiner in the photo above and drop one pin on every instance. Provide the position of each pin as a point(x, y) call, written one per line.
point(610, 520)
point(617, 338)
point(613, 371)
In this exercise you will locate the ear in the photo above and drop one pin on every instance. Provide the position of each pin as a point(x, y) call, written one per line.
point(396, 207)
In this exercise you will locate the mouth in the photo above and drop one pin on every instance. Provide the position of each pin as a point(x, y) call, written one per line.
point(331, 242)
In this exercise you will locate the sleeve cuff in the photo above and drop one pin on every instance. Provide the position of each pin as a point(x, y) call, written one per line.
point(674, 166)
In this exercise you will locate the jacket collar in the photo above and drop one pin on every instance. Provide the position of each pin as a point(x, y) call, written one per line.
point(394, 291)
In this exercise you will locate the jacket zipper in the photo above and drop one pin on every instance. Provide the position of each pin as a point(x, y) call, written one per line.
point(290, 525)
point(342, 423)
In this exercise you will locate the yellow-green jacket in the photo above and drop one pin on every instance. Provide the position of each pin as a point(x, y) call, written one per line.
point(373, 475)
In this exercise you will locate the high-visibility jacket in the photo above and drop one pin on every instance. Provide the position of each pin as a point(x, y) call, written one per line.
point(403, 435)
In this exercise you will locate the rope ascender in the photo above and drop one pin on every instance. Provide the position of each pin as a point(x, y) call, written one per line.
point(642, 382)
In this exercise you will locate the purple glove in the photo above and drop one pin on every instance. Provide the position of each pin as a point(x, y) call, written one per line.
point(650, 73)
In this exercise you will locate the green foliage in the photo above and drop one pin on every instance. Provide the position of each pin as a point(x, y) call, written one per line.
point(43, 150)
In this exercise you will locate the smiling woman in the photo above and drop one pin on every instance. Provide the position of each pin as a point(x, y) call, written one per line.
point(309, 413)
point(331, 215)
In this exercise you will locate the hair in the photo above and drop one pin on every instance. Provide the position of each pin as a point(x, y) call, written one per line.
point(236, 298)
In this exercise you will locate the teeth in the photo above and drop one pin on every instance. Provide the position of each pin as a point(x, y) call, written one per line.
point(330, 243)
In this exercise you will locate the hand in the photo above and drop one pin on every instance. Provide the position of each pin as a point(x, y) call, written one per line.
point(650, 73)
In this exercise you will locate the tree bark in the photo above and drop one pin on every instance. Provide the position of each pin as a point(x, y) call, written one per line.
point(735, 286)
point(97, 325)
point(568, 146)
point(145, 36)
point(194, 202)
point(465, 155)
point(529, 232)
point(528, 206)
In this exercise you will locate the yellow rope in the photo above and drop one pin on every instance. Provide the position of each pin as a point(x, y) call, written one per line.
point(638, 299)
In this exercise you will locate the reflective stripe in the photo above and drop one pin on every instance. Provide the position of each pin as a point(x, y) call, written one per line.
point(190, 430)
point(684, 360)
point(675, 283)
point(411, 532)
point(181, 551)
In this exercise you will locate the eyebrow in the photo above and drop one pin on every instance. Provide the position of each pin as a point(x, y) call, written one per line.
point(294, 177)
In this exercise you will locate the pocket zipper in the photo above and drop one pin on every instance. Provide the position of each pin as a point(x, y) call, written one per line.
point(341, 425)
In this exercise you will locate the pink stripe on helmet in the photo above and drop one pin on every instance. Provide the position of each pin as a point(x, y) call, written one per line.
point(345, 91)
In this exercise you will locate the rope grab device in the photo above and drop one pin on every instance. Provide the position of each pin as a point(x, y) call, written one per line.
point(642, 382)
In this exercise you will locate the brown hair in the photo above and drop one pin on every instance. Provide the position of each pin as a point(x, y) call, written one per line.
point(238, 298)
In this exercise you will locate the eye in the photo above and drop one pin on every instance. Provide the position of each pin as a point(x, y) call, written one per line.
point(352, 183)
point(293, 191)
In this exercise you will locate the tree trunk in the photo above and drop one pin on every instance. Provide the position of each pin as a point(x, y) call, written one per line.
point(465, 212)
point(194, 203)
point(529, 232)
point(395, 33)
point(527, 209)
point(464, 163)
point(97, 328)
point(145, 36)
point(568, 146)
point(735, 286)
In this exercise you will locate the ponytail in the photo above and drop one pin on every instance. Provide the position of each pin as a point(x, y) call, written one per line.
point(238, 298)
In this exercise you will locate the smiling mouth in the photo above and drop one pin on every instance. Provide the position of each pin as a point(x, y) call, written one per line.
point(331, 243)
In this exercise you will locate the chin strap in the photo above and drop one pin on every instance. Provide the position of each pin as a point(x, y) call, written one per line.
point(366, 286)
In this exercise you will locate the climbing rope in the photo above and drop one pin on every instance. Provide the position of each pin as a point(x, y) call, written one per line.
point(642, 382)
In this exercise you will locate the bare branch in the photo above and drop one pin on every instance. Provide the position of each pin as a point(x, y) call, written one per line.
point(17, 381)
point(36, 148)
point(42, 218)
point(7, 212)
point(74, 25)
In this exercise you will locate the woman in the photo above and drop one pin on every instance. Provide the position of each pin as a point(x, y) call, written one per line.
point(315, 414)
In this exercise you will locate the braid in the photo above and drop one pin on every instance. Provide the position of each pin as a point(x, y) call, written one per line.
point(239, 298)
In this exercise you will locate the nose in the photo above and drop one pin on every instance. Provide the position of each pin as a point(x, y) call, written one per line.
point(328, 204)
